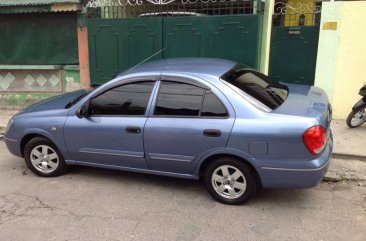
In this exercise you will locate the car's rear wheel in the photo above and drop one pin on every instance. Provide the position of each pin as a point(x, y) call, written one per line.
point(230, 181)
point(43, 158)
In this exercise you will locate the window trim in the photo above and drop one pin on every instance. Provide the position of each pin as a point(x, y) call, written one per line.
point(148, 105)
point(189, 82)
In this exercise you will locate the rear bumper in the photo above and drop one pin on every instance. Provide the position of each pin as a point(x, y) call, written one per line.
point(302, 174)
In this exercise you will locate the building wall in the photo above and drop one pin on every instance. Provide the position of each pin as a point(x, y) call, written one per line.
point(342, 54)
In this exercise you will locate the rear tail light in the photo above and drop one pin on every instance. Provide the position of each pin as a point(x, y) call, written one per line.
point(315, 139)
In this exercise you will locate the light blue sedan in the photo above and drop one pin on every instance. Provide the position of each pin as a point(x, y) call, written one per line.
point(195, 118)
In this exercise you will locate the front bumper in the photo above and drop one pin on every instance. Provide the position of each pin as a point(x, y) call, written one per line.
point(300, 174)
point(13, 146)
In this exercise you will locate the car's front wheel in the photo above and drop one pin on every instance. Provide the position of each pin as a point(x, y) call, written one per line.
point(43, 158)
point(230, 181)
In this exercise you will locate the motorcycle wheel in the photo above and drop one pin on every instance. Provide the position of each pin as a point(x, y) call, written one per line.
point(357, 117)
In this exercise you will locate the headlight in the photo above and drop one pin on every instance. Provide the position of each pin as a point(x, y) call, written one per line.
point(10, 122)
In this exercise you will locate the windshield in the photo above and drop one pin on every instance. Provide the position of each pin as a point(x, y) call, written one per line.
point(257, 85)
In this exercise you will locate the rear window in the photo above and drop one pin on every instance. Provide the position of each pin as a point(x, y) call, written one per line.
point(257, 85)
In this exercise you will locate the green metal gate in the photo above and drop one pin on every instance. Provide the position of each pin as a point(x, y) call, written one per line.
point(230, 37)
point(293, 54)
point(294, 43)
point(118, 44)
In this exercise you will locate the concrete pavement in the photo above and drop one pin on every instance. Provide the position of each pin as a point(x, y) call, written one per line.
point(97, 204)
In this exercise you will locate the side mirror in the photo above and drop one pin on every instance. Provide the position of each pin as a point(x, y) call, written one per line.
point(82, 112)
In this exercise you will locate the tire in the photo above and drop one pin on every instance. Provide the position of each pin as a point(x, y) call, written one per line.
point(357, 117)
point(230, 181)
point(43, 158)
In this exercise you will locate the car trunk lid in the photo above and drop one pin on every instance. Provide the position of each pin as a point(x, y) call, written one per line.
point(307, 101)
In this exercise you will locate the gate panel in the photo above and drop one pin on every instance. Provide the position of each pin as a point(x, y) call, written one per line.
point(118, 44)
point(294, 41)
point(183, 37)
point(230, 37)
point(133, 31)
point(293, 54)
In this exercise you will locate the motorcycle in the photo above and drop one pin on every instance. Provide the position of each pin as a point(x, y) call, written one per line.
point(358, 114)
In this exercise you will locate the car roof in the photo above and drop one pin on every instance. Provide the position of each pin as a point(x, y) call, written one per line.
point(210, 66)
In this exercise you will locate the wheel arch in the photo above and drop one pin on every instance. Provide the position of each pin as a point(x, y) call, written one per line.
point(29, 136)
point(203, 164)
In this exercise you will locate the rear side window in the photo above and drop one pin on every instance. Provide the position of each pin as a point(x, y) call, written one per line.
point(130, 99)
point(212, 106)
point(181, 99)
point(257, 85)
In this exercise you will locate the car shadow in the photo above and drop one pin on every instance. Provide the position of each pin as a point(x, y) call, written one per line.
point(263, 197)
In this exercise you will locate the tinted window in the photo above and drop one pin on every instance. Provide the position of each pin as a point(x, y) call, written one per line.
point(130, 99)
point(257, 85)
point(212, 106)
point(179, 99)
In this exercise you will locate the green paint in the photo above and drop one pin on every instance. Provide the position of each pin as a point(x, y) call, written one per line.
point(25, 9)
point(118, 44)
point(81, 20)
point(293, 54)
point(38, 39)
point(71, 73)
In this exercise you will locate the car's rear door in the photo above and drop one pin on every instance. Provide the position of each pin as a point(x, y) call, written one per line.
point(187, 121)
point(112, 133)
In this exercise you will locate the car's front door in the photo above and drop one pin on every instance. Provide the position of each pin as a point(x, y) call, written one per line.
point(112, 132)
point(188, 121)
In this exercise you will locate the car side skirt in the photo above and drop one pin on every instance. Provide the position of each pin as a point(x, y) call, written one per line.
point(129, 169)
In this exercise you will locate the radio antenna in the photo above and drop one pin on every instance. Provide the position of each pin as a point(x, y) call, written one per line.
point(148, 58)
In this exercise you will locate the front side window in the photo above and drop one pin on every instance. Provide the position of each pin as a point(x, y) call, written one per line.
point(181, 99)
point(129, 99)
point(257, 85)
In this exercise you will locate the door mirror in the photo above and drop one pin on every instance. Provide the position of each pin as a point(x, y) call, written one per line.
point(82, 111)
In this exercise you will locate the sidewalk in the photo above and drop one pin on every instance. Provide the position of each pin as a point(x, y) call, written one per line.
point(349, 142)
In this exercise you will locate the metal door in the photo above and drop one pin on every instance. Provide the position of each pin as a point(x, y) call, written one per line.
point(118, 44)
point(294, 42)
point(221, 29)
point(228, 37)
point(293, 54)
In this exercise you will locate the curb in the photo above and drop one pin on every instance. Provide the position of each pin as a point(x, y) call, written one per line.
point(349, 156)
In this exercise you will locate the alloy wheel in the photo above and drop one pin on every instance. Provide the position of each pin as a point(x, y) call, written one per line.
point(228, 181)
point(44, 158)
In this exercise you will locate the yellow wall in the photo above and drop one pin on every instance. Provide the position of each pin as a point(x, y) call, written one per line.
point(292, 16)
point(350, 72)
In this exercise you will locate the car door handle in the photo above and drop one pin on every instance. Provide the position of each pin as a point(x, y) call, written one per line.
point(133, 129)
point(212, 132)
